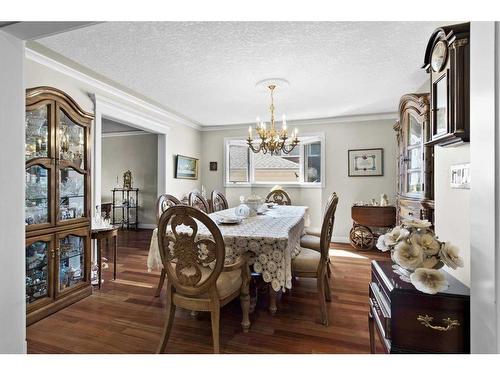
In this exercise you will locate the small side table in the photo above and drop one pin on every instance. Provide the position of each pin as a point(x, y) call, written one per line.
point(107, 234)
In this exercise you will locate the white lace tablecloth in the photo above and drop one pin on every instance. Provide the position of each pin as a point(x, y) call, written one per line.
point(271, 239)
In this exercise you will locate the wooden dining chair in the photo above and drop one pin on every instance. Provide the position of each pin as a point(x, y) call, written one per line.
point(219, 201)
point(198, 280)
point(197, 200)
point(279, 197)
point(316, 231)
point(163, 202)
point(314, 261)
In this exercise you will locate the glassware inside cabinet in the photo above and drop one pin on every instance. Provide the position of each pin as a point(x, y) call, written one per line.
point(414, 182)
point(37, 198)
point(37, 133)
point(71, 140)
point(36, 271)
point(71, 194)
point(71, 261)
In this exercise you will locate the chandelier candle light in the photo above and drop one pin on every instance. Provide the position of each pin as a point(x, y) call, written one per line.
point(272, 140)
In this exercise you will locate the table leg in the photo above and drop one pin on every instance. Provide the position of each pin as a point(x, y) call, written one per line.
point(99, 263)
point(272, 300)
point(114, 256)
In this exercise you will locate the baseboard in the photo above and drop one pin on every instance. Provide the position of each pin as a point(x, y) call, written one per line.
point(340, 239)
point(147, 226)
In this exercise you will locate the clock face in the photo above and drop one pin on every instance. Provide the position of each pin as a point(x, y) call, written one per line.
point(439, 55)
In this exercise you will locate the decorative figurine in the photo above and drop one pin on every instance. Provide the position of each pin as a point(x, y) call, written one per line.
point(127, 180)
point(383, 200)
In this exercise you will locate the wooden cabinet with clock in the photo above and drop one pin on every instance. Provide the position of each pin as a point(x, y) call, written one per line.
point(447, 61)
point(57, 203)
point(415, 163)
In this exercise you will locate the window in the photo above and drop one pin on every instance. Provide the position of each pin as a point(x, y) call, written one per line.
point(302, 166)
point(238, 163)
point(312, 162)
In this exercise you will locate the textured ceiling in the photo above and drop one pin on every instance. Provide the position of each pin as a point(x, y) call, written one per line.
point(207, 71)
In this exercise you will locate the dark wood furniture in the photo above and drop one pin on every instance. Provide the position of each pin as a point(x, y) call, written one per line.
point(105, 234)
point(409, 321)
point(279, 197)
point(415, 184)
point(126, 204)
point(447, 61)
point(367, 222)
point(57, 204)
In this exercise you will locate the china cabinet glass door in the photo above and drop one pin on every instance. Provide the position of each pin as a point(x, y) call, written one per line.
point(414, 157)
point(39, 255)
point(71, 194)
point(39, 167)
point(71, 140)
point(71, 259)
point(71, 173)
point(38, 140)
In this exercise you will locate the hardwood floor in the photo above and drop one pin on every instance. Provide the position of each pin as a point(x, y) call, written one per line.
point(125, 317)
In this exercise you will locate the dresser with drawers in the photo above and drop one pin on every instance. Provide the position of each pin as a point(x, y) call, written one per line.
point(408, 321)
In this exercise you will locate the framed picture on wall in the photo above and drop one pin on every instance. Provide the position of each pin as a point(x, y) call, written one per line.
point(213, 165)
point(366, 162)
point(186, 167)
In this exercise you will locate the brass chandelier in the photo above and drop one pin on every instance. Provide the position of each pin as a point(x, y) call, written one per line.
point(272, 140)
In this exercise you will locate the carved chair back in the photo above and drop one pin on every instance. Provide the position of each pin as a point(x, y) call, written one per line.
point(197, 200)
point(219, 201)
point(327, 226)
point(192, 265)
point(279, 197)
point(165, 201)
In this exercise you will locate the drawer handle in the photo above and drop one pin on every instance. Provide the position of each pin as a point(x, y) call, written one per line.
point(449, 323)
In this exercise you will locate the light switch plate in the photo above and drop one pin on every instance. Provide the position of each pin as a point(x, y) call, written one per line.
point(460, 176)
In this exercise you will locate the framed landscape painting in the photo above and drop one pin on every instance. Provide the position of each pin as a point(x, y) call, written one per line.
point(186, 167)
point(366, 162)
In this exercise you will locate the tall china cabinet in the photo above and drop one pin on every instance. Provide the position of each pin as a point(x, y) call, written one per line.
point(415, 185)
point(57, 203)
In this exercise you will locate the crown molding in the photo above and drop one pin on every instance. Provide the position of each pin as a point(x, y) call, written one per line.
point(108, 89)
point(125, 134)
point(129, 115)
point(315, 121)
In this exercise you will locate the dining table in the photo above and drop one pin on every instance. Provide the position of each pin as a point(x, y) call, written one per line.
point(270, 240)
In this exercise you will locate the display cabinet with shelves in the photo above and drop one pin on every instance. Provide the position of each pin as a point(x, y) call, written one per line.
point(415, 184)
point(57, 201)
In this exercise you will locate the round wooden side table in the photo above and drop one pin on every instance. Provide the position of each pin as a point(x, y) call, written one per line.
point(99, 235)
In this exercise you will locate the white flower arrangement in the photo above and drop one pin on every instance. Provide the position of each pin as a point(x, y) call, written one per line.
point(418, 255)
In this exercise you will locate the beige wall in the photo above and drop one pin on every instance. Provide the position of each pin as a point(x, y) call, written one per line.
point(184, 141)
point(452, 208)
point(339, 137)
point(137, 153)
